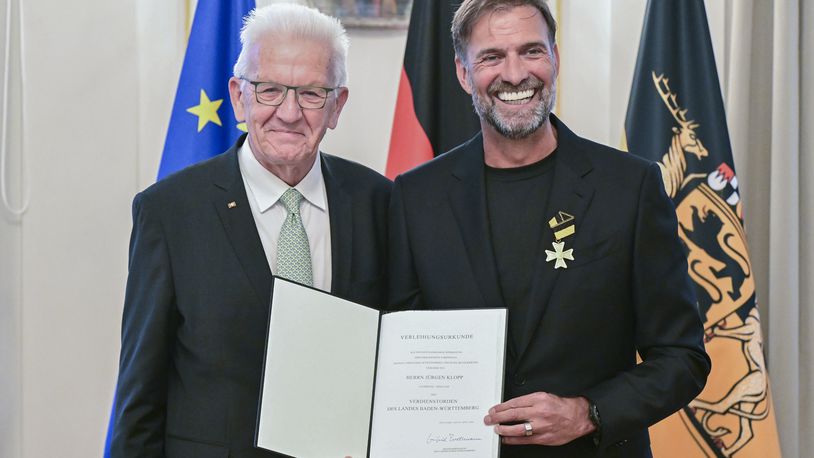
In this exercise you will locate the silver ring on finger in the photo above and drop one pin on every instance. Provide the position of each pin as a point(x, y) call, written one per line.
point(528, 429)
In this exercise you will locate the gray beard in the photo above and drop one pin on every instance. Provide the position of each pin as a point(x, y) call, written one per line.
point(521, 126)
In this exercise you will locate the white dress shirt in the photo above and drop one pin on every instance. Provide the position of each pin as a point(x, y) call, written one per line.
point(264, 190)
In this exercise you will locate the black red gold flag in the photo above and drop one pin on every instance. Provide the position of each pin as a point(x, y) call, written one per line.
point(676, 116)
point(433, 114)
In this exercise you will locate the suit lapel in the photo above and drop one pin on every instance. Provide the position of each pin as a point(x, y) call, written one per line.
point(341, 216)
point(571, 194)
point(232, 206)
point(467, 197)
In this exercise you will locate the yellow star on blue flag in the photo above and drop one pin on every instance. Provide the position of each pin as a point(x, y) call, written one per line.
point(206, 111)
point(203, 87)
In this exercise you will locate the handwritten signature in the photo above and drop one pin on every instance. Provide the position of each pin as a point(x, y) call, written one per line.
point(435, 438)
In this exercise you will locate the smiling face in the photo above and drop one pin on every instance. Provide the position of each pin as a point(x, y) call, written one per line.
point(287, 137)
point(510, 70)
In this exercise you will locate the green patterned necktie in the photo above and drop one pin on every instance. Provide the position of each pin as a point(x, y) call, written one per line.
point(293, 252)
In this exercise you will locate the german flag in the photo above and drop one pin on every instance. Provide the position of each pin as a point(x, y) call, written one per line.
point(676, 117)
point(433, 114)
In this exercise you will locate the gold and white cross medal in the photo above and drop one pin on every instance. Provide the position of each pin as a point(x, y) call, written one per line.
point(560, 254)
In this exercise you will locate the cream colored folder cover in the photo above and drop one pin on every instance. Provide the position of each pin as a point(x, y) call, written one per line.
point(341, 379)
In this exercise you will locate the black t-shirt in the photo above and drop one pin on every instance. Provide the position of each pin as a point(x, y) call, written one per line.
point(516, 199)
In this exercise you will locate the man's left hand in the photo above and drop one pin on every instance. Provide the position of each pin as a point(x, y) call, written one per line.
point(554, 420)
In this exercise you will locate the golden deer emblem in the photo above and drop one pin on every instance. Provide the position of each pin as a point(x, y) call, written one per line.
point(673, 164)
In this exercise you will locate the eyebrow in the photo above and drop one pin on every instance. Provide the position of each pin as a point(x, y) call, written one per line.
point(483, 52)
point(536, 43)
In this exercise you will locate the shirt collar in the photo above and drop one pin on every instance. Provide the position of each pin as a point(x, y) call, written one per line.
point(267, 187)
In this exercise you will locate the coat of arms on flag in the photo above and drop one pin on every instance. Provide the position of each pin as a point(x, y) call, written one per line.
point(676, 117)
point(710, 215)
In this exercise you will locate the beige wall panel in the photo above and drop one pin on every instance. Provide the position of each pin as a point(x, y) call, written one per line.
point(11, 257)
point(81, 142)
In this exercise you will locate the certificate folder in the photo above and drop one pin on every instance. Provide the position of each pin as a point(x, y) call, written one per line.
point(341, 379)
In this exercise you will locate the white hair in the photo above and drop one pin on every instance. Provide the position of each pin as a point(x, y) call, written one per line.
point(298, 22)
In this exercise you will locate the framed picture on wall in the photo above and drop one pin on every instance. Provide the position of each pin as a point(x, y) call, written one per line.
point(367, 13)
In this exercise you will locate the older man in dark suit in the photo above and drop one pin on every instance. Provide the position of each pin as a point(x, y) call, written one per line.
point(576, 239)
point(207, 240)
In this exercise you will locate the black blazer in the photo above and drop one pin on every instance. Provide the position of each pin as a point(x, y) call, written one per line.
point(627, 289)
point(197, 304)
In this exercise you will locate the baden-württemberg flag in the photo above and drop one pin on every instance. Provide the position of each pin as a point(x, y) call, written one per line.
point(203, 123)
point(676, 117)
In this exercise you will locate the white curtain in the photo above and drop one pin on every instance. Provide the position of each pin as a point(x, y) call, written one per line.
point(771, 118)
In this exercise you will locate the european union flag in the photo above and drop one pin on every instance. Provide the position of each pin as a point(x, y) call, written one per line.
point(676, 117)
point(203, 123)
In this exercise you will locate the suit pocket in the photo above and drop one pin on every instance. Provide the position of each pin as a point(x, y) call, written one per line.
point(636, 447)
point(175, 447)
point(594, 251)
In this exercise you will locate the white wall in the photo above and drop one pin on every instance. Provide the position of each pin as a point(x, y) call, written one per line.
point(10, 278)
point(375, 62)
point(161, 34)
point(598, 44)
point(66, 255)
point(100, 80)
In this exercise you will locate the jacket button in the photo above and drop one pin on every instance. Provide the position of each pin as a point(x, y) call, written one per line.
point(519, 380)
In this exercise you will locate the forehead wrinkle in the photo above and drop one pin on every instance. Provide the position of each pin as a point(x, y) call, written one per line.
point(286, 63)
point(527, 45)
point(499, 14)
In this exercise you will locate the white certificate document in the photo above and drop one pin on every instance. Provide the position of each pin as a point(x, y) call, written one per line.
point(438, 374)
point(341, 379)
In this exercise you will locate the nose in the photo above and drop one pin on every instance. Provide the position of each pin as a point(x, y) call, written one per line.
point(289, 111)
point(514, 70)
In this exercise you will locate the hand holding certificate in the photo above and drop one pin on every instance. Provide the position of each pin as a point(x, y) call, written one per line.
point(326, 392)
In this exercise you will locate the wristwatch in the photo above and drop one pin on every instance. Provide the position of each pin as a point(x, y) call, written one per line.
point(593, 416)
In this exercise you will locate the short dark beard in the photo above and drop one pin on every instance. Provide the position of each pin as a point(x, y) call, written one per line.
point(539, 114)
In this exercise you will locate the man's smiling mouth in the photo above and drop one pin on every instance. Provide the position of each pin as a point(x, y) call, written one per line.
point(515, 97)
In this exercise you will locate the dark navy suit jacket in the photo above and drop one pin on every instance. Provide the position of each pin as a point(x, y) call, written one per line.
point(197, 304)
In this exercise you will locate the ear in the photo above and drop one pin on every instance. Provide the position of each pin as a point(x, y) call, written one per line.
point(341, 98)
point(556, 52)
point(234, 96)
point(461, 71)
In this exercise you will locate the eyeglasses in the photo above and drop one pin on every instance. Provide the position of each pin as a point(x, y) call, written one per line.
point(273, 94)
